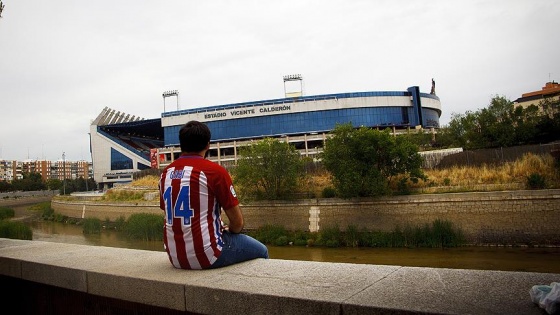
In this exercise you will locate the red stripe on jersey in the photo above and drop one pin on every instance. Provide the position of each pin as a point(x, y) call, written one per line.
point(198, 235)
point(212, 215)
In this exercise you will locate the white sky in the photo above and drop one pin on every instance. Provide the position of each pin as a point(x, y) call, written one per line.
point(63, 61)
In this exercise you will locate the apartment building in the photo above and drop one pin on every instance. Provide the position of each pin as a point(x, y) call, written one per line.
point(11, 169)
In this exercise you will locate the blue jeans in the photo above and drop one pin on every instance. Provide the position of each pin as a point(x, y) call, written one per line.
point(238, 248)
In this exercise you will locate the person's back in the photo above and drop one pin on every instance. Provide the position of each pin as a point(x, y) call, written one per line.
point(193, 191)
point(193, 219)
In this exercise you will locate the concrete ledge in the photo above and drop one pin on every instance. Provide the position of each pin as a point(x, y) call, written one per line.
point(269, 286)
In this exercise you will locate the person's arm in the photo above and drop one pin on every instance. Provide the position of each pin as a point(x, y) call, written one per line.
point(235, 218)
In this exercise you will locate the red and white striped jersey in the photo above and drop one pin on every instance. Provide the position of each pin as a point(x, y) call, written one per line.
point(192, 192)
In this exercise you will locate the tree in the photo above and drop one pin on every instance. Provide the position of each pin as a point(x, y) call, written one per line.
point(268, 169)
point(363, 161)
point(29, 182)
point(54, 184)
point(5, 186)
point(503, 124)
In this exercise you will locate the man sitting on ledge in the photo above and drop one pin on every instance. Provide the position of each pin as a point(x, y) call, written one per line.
point(193, 191)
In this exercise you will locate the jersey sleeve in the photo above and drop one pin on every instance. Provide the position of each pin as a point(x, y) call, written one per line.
point(225, 193)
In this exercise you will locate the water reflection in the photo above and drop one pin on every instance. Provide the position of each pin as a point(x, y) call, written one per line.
point(481, 258)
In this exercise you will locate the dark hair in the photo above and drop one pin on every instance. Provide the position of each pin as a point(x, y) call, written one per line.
point(194, 136)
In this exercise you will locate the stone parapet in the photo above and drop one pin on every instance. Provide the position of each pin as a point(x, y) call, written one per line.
point(50, 278)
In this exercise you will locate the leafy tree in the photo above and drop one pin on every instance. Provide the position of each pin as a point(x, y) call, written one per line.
point(363, 161)
point(526, 123)
point(5, 186)
point(29, 182)
point(54, 184)
point(549, 123)
point(268, 169)
point(502, 124)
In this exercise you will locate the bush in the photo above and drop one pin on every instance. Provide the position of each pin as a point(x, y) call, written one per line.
point(536, 181)
point(123, 195)
point(145, 226)
point(92, 226)
point(443, 235)
point(300, 238)
point(47, 213)
point(269, 234)
point(328, 192)
point(6, 213)
point(281, 241)
point(330, 237)
point(351, 236)
point(120, 223)
point(15, 230)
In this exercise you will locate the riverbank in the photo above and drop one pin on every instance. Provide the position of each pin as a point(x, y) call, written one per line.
point(503, 258)
point(516, 217)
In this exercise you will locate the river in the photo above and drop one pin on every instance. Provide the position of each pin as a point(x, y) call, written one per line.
point(545, 260)
point(480, 258)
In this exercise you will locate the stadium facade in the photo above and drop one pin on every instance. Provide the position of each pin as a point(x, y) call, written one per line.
point(122, 145)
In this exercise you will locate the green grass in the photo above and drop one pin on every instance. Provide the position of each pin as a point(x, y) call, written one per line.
point(144, 226)
point(6, 213)
point(439, 234)
point(15, 230)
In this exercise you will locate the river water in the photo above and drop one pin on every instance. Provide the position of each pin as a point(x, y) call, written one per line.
point(480, 258)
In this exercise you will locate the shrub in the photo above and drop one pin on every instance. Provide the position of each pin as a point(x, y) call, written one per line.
point(47, 213)
point(351, 236)
point(145, 226)
point(330, 237)
point(120, 223)
point(443, 234)
point(91, 226)
point(281, 241)
point(300, 238)
point(536, 181)
point(328, 192)
point(15, 230)
point(6, 213)
point(123, 195)
point(402, 186)
point(268, 234)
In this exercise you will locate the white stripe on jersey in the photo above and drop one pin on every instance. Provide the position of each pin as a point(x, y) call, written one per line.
point(203, 199)
point(187, 233)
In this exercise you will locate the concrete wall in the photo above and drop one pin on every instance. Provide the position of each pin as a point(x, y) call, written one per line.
point(504, 217)
point(57, 278)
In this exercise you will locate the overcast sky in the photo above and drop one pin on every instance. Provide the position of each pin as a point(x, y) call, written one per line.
point(63, 61)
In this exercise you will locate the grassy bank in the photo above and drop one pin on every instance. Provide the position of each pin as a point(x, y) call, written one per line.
point(439, 234)
point(530, 172)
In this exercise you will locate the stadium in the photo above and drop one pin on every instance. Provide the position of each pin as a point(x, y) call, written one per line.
point(122, 144)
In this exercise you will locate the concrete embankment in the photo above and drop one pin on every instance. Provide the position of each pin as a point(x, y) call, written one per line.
point(55, 278)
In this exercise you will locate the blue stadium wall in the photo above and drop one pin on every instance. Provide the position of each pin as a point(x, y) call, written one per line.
point(309, 114)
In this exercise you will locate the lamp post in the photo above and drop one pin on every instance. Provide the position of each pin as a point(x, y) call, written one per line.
point(169, 94)
point(64, 173)
point(293, 77)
